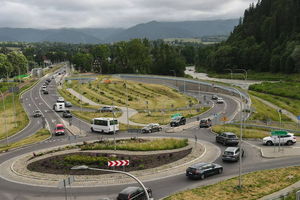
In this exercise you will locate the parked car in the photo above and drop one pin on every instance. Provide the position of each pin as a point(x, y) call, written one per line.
point(37, 113)
point(220, 100)
point(60, 100)
point(68, 104)
point(202, 170)
point(134, 193)
point(214, 97)
point(177, 121)
point(288, 139)
point(44, 87)
point(107, 109)
point(150, 128)
point(232, 154)
point(45, 92)
point(205, 123)
point(67, 114)
point(59, 129)
point(227, 138)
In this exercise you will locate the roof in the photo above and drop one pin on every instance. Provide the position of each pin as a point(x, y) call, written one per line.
point(105, 118)
point(229, 133)
point(129, 190)
point(199, 165)
point(57, 125)
point(231, 148)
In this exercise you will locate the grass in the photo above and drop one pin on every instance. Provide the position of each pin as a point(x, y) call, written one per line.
point(37, 137)
point(255, 185)
point(108, 90)
point(139, 145)
point(249, 132)
point(164, 117)
point(291, 105)
point(283, 89)
point(264, 112)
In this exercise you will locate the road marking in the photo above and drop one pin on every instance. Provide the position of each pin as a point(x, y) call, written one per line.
point(53, 120)
point(29, 104)
point(35, 98)
point(40, 103)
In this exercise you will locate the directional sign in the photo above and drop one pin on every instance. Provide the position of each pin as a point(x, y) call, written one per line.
point(224, 119)
point(118, 163)
point(298, 117)
point(176, 115)
point(279, 133)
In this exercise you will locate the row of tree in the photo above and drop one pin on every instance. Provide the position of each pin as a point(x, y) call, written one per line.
point(266, 39)
point(134, 56)
point(12, 63)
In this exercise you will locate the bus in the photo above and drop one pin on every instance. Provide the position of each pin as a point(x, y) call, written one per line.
point(104, 125)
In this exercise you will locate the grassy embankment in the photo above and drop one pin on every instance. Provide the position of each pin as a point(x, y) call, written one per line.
point(141, 96)
point(37, 137)
point(13, 124)
point(255, 185)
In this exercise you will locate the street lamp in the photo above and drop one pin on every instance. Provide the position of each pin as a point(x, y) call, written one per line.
point(125, 85)
point(230, 72)
point(174, 72)
point(244, 71)
point(84, 167)
point(5, 127)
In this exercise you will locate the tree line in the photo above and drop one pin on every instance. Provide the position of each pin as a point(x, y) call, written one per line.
point(267, 39)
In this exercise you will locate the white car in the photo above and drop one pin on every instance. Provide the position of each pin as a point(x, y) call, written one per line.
point(60, 100)
point(288, 139)
point(220, 100)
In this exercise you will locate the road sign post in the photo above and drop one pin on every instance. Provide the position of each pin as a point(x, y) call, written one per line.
point(279, 133)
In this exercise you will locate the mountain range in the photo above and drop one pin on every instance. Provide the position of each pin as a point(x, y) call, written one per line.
point(152, 30)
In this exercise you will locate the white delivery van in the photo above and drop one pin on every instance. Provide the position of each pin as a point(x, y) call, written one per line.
point(59, 107)
point(104, 125)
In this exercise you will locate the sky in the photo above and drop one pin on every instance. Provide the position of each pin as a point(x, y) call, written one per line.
point(113, 13)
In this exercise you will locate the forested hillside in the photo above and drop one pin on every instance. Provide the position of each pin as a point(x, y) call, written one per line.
point(266, 39)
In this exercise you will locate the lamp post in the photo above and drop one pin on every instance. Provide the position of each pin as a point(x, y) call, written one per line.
point(5, 127)
point(127, 106)
point(174, 72)
point(84, 167)
point(230, 72)
point(244, 71)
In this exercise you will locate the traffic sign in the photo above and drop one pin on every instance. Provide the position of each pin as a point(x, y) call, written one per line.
point(176, 115)
point(279, 133)
point(118, 163)
point(224, 119)
point(298, 117)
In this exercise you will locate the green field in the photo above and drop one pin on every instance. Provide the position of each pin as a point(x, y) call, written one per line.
point(291, 105)
point(112, 91)
point(283, 89)
point(261, 76)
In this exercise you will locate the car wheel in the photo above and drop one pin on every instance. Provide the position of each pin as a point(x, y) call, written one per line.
point(220, 171)
point(269, 143)
point(202, 176)
point(92, 130)
point(289, 142)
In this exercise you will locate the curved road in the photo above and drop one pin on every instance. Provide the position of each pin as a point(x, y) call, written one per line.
point(163, 187)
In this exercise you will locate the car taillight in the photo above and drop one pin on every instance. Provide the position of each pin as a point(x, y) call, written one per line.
point(294, 138)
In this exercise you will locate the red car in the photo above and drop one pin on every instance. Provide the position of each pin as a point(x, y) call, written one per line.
point(59, 129)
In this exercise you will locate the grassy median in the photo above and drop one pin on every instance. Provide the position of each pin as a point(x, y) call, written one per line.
point(37, 137)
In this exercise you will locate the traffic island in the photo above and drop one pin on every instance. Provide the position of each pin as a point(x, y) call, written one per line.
point(16, 168)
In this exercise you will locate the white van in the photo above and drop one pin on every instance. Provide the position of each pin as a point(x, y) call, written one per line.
point(104, 125)
point(59, 107)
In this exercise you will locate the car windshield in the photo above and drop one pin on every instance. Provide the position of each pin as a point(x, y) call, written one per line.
point(67, 111)
point(228, 153)
point(59, 128)
point(231, 136)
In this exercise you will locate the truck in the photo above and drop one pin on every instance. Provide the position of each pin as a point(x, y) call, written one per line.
point(59, 107)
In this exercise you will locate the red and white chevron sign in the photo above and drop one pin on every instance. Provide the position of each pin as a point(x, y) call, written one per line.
point(118, 163)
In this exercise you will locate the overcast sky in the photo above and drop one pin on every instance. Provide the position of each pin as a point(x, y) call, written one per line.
point(113, 13)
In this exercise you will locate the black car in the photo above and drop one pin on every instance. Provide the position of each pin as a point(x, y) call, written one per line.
point(202, 170)
point(232, 154)
point(67, 114)
point(150, 128)
point(68, 104)
point(45, 92)
point(227, 138)
point(134, 193)
point(178, 121)
point(205, 123)
point(214, 97)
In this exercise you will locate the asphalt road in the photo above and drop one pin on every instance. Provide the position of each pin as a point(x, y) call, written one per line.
point(163, 187)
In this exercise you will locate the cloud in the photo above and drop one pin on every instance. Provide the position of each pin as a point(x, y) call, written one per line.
point(113, 13)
